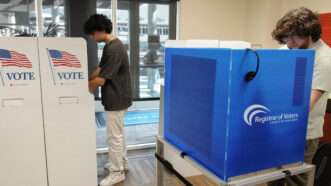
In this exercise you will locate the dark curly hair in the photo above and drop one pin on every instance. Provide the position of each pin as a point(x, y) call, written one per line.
point(300, 22)
point(98, 22)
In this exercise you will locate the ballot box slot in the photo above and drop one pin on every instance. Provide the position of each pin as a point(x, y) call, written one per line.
point(67, 100)
point(12, 102)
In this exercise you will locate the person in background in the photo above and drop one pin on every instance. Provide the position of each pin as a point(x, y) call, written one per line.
point(113, 76)
point(301, 29)
point(152, 60)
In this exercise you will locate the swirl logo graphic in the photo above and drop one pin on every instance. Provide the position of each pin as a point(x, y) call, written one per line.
point(252, 111)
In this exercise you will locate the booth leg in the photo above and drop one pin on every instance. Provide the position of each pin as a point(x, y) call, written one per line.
point(159, 166)
point(311, 177)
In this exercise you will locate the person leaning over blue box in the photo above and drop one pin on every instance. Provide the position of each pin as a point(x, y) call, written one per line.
point(301, 29)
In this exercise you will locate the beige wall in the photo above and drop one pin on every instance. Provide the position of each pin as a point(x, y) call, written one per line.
point(212, 19)
point(320, 6)
point(249, 20)
point(261, 19)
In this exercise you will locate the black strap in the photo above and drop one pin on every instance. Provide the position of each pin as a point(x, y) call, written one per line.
point(251, 74)
point(169, 166)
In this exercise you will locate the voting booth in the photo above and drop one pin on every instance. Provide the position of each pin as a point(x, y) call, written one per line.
point(237, 111)
point(68, 112)
point(47, 113)
point(22, 157)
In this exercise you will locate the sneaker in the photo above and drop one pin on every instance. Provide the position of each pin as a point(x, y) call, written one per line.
point(113, 178)
point(125, 166)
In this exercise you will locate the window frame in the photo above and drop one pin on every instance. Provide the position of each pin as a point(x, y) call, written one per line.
point(134, 39)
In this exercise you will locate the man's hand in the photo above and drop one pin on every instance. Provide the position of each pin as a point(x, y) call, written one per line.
point(315, 96)
point(95, 83)
point(95, 73)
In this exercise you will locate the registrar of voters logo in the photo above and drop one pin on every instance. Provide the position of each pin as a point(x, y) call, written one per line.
point(15, 68)
point(64, 66)
point(260, 114)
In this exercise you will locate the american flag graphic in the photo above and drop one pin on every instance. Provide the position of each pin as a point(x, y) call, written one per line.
point(63, 59)
point(10, 58)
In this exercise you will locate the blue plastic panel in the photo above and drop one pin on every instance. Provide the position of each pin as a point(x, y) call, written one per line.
point(276, 105)
point(199, 94)
point(193, 79)
point(223, 122)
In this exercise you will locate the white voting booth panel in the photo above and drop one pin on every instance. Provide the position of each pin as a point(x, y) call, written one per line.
point(169, 152)
point(68, 112)
point(192, 44)
point(207, 44)
point(22, 156)
point(235, 44)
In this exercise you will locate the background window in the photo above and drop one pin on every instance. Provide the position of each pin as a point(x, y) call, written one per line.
point(154, 26)
point(104, 7)
point(143, 28)
point(54, 18)
point(145, 42)
point(18, 17)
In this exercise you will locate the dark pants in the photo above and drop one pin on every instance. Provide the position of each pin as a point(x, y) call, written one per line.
point(300, 180)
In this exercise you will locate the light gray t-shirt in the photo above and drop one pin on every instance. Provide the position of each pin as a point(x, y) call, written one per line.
point(321, 81)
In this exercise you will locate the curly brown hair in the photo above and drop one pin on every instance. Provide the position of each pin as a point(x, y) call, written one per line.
point(300, 22)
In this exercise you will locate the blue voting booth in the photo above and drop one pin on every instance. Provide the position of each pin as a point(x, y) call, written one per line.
point(233, 124)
